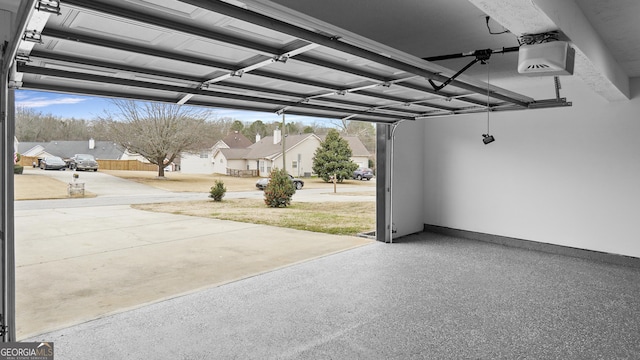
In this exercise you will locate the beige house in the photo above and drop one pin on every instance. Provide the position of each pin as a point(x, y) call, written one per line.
point(359, 153)
point(236, 155)
point(266, 154)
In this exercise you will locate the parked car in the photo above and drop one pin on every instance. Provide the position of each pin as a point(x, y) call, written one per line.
point(363, 173)
point(83, 162)
point(53, 163)
point(262, 183)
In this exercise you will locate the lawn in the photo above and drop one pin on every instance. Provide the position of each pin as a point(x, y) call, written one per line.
point(31, 186)
point(180, 182)
point(338, 218)
point(342, 218)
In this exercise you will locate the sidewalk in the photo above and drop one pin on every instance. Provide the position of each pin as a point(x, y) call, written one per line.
point(78, 264)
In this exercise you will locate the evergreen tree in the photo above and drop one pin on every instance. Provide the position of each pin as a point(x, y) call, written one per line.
point(333, 157)
point(279, 190)
point(237, 125)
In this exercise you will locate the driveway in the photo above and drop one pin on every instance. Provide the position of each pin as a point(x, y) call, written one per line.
point(80, 259)
point(112, 190)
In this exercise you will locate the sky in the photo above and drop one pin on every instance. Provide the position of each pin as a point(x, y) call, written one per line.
point(91, 107)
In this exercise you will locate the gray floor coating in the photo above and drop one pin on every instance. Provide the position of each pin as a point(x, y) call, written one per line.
point(425, 297)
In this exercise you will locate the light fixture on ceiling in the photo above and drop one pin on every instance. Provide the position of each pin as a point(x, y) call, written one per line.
point(487, 138)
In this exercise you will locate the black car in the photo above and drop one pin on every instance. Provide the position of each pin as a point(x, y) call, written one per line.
point(53, 163)
point(262, 183)
point(363, 173)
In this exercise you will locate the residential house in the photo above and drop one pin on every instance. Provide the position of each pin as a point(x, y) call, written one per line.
point(106, 150)
point(201, 162)
point(359, 153)
point(267, 154)
point(232, 154)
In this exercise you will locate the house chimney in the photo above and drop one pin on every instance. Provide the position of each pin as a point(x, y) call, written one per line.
point(92, 144)
point(277, 136)
point(257, 137)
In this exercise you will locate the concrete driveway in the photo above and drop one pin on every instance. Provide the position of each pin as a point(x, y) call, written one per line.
point(80, 259)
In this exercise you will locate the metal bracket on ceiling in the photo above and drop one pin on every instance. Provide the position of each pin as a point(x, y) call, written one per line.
point(281, 111)
point(50, 6)
point(32, 36)
point(281, 58)
point(14, 84)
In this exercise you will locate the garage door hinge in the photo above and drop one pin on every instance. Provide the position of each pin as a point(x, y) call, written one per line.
point(33, 36)
point(50, 6)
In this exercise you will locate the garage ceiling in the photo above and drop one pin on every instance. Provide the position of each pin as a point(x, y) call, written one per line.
point(269, 56)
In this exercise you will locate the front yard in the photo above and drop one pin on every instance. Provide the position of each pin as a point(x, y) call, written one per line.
point(330, 217)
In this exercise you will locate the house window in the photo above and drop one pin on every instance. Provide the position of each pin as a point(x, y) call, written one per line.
point(261, 166)
point(294, 164)
point(204, 155)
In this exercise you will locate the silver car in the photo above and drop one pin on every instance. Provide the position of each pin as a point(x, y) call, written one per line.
point(262, 183)
point(83, 162)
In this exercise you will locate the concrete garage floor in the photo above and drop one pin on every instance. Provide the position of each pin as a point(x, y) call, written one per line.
point(425, 297)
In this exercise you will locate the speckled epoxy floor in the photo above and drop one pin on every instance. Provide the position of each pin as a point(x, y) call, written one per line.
point(427, 296)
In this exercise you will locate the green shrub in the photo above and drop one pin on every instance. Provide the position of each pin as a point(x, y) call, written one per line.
point(217, 191)
point(280, 189)
point(17, 169)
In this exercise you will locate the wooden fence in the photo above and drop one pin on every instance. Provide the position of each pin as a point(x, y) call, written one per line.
point(242, 173)
point(126, 165)
point(134, 165)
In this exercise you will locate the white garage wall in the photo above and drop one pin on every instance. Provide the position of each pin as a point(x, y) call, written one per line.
point(568, 176)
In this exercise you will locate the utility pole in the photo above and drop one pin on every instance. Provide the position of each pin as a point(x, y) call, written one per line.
point(284, 163)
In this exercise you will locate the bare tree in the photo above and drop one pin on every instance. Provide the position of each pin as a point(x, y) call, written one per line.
point(365, 131)
point(32, 125)
point(157, 131)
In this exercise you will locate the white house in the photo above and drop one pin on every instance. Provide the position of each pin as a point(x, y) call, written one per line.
point(202, 162)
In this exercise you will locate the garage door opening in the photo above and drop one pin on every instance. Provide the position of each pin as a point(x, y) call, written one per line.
point(250, 56)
